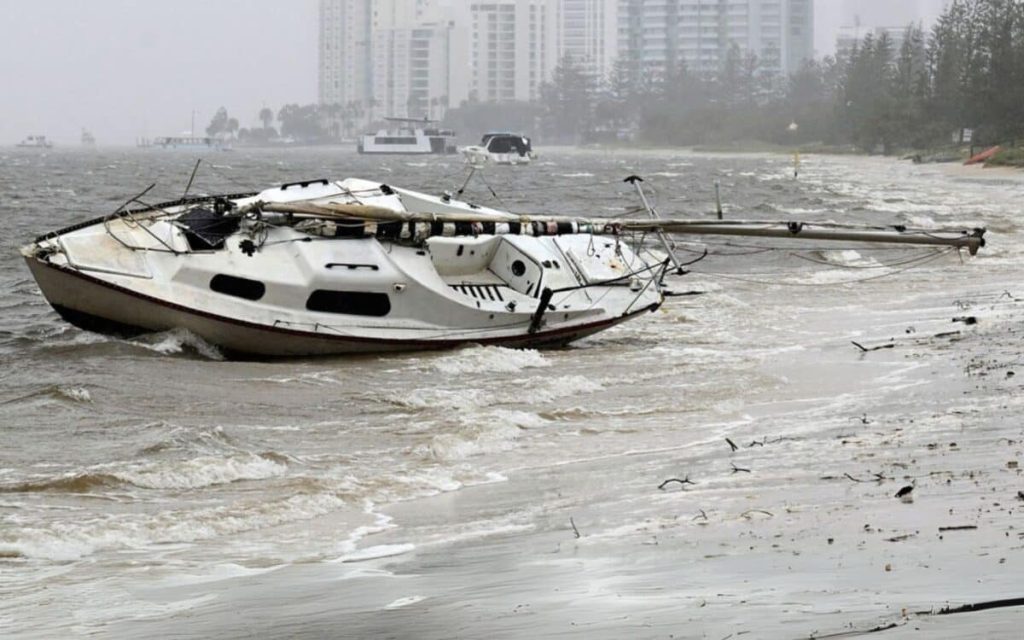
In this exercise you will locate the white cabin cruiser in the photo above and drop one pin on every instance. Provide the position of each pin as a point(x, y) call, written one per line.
point(409, 136)
point(321, 267)
point(500, 148)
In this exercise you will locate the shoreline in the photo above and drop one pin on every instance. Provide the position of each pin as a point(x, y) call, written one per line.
point(803, 540)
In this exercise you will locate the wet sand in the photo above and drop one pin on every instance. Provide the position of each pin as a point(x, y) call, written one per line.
point(797, 533)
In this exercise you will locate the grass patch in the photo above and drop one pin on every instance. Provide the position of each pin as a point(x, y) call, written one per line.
point(1007, 157)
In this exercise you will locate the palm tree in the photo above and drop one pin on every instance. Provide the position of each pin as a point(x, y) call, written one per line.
point(266, 117)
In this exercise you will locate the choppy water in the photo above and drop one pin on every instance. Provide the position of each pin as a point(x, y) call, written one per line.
point(128, 464)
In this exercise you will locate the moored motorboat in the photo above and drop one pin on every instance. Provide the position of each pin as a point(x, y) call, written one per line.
point(500, 148)
point(322, 267)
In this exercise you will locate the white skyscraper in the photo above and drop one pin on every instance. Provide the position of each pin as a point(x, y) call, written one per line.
point(344, 51)
point(654, 34)
point(392, 57)
point(511, 48)
point(588, 31)
point(416, 72)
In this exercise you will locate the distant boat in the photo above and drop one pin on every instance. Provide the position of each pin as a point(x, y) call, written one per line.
point(35, 142)
point(187, 143)
point(499, 147)
point(88, 140)
point(410, 136)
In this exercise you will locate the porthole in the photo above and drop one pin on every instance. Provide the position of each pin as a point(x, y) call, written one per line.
point(238, 287)
point(356, 303)
point(518, 268)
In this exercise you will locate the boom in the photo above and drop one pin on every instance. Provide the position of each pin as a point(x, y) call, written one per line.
point(467, 223)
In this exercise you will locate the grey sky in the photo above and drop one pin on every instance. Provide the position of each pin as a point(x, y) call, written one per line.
point(130, 68)
point(124, 68)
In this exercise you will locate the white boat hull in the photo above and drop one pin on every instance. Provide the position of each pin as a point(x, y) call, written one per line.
point(301, 293)
point(95, 305)
point(480, 156)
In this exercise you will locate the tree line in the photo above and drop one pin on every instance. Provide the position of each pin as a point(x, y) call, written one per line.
point(966, 73)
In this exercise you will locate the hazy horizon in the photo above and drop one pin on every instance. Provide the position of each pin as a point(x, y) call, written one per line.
point(124, 69)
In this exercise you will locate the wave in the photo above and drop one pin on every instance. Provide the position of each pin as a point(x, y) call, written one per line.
point(529, 390)
point(377, 552)
point(195, 473)
point(178, 341)
point(313, 378)
point(481, 433)
point(848, 258)
point(63, 393)
point(206, 440)
point(479, 359)
point(75, 483)
point(72, 540)
point(203, 471)
point(404, 602)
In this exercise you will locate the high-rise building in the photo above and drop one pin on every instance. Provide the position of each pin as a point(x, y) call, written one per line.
point(850, 37)
point(587, 30)
point(392, 57)
point(511, 48)
point(656, 34)
point(416, 73)
point(344, 75)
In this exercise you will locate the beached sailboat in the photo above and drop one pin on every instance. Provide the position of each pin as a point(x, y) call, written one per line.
point(323, 267)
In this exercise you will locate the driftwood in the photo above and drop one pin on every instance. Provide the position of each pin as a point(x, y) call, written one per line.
point(575, 531)
point(978, 606)
point(959, 527)
point(732, 444)
point(879, 477)
point(866, 349)
point(684, 481)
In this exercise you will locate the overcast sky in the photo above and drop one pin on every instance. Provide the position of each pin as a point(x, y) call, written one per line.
point(130, 68)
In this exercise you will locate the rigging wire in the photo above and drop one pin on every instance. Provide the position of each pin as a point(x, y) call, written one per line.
point(906, 268)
